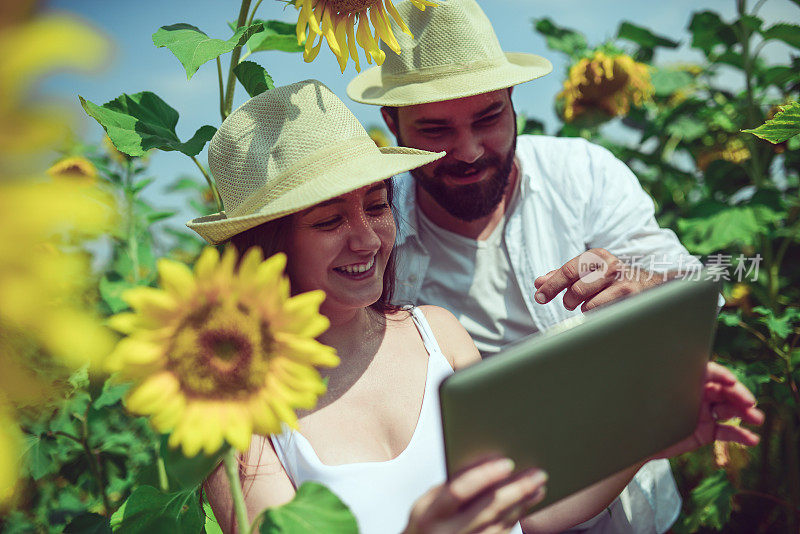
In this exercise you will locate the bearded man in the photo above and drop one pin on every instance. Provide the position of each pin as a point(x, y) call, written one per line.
point(496, 230)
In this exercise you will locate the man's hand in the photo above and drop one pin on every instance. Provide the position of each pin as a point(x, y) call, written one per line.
point(724, 397)
point(593, 278)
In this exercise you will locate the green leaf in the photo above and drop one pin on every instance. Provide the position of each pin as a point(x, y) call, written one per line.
point(711, 501)
point(709, 31)
point(781, 326)
point(88, 524)
point(141, 184)
point(276, 35)
point(666, 82)
point(779, 75)
point(149, 510)
point(643, 37)
point(111, 394)
point(212, 525)
point(36, 457)
point(687, 128)
point(188, 473)
point(788, 33)
point(314, 509)
point(142, 121)
point(782, 127)
point(564, 40)
point(715, 226)
point(253, 77)
point(111, 291)
point(192, 47)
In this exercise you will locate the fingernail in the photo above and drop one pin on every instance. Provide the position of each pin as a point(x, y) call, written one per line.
point(540, 298)
point(505, 465)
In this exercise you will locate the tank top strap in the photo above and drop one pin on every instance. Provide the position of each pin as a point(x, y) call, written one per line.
point(428, 339)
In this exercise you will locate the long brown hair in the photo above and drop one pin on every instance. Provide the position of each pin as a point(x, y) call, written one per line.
point(271, 238)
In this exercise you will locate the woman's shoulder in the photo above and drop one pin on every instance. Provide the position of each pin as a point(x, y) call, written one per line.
point(453, 339)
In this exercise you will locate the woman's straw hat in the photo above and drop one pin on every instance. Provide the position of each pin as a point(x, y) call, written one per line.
point(288, 149)
point(454, 54)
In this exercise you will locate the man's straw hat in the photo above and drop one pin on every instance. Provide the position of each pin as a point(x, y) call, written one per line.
point(454, 54)
point(288, 149)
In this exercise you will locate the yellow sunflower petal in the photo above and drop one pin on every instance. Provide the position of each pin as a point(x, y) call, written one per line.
point(125, 322)
point(384, 29)
point(397, 18)
point(176, 277)
point(309, 350)
point(238, 428)
point(341, 40)
point(206, 263)
point(264, 419)
point(150, 301)
point(351, 41)
point(152, 393)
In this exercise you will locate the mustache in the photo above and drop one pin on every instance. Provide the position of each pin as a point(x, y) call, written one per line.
point(461, 168)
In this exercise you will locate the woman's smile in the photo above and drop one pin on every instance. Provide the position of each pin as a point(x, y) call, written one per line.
point(357, 271)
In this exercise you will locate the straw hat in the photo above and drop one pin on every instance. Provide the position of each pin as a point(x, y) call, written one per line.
point(288, 149)
point(454, 54)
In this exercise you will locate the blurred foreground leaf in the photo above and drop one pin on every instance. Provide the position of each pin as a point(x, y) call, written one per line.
point(314, 509)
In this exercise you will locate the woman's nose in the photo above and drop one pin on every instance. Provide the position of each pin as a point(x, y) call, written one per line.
point(363, 236)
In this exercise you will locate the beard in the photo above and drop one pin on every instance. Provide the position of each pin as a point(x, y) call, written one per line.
point(469, 202)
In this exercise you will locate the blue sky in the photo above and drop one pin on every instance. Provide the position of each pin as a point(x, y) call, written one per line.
point(138, 65)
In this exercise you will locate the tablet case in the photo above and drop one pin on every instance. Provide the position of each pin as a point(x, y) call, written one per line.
point(586, 402)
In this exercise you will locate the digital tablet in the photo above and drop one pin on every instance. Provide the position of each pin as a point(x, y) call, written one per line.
point(585, 402)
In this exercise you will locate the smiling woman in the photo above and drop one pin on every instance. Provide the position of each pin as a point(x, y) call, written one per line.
point(323, 196)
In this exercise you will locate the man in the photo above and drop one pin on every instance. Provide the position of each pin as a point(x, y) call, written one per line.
point(496, 230)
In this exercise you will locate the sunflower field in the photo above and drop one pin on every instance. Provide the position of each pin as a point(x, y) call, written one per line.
point(134, 361)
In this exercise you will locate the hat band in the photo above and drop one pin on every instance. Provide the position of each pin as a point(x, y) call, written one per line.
point(313, 165)
point(430, 73)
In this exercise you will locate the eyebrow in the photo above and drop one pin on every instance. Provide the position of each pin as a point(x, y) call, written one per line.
point(491, 108)
point(337, 200)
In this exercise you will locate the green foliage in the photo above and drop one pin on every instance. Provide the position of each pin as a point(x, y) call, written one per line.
point(153, 511)
point(564, 40)
point(782, 127)
point(253, 77)
point(193, 48)
point(142, 121)
point(313, 509)
point(712, 500)
point(275, 35)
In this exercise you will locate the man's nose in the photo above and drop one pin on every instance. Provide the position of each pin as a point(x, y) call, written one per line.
point(468, 147)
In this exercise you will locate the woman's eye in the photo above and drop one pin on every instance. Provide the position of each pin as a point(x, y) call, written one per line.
point(378, 208)
point(327, 223)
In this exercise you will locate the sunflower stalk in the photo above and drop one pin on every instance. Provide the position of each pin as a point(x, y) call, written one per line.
point(232, 471)
point(231, 85)
point(132, 241)
point(210, 183)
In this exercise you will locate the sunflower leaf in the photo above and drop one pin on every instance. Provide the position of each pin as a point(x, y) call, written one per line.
point(314, 509)
point(150, 510)
point(193, 47)
point(709, 31)
point(142, 121)
point(782, 127)
point(564, 40)
point(643, 37)
point(788, 33)
point(275, 35)
point(253, 77)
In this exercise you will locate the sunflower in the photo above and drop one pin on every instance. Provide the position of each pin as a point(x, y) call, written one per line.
point(609, 83)
point(217, 355)
point(336, 20)
point(75, 168)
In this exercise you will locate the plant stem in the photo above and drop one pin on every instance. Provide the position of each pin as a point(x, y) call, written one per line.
point(232, 470)
point(231, 86)
point(253, 13)
point(221, 89)
point(210, 183)
point(767, 496)
point(163, 481)
point(751, 111)
point(95, 466)
point(133, 243)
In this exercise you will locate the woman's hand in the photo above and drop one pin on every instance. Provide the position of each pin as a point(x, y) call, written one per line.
point(724, 397)
point(486, 498)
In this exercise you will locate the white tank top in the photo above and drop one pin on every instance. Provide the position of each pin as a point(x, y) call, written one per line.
point(380, 494)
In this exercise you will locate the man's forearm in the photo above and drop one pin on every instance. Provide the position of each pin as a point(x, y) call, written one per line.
point(579, 507)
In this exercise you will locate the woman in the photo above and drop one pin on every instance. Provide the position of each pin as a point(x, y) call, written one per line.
point(298, 174)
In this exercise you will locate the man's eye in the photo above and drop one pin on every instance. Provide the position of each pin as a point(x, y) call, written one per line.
point(490, 119)
point(432, 132)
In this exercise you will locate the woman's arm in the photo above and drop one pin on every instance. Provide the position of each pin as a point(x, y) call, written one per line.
point(265, 484)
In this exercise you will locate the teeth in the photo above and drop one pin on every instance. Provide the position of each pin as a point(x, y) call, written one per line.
point(354, 269)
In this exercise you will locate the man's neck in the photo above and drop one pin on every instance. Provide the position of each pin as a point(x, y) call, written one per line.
point(479, 229)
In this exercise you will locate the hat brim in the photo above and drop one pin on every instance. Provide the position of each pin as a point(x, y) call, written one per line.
point(368, 87)
point(348, 176)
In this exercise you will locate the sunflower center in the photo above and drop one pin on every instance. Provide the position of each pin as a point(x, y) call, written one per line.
point(222, 352)
point(352, 6)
